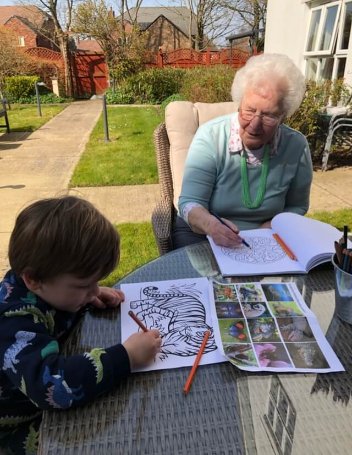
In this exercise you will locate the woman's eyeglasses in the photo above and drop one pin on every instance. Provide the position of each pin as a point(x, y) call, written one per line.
point(267, 119)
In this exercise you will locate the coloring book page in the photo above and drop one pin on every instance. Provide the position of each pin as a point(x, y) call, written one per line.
point(311, 241)
point(180, 310)
point(268, 327)
point(265, 256)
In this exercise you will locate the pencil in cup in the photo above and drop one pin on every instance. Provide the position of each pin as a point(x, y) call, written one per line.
point(192, 373)
point(286, 249)
point(345, 237)
point(137, 321)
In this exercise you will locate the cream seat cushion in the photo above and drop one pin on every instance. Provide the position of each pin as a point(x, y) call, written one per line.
point(182, 119)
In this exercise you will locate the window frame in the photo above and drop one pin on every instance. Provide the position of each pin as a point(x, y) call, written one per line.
point(339, 50)
point(335, 52)
point(321, 27)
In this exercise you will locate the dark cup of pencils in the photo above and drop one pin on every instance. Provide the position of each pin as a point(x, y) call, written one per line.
point(343, 291)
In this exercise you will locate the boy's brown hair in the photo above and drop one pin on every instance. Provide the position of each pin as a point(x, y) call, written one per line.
point(63, 235)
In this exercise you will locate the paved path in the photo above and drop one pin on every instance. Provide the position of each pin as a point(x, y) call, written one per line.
point(41, 164)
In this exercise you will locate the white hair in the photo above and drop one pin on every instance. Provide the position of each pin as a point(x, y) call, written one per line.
point(277, 69)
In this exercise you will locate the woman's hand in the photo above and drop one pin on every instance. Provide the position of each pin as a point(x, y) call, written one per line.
point(202, 222)
point(108, 298)
point(224, 235)
point(266, 225)
point(142, 347)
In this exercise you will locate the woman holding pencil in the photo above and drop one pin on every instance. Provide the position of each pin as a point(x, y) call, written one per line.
point(244, 168)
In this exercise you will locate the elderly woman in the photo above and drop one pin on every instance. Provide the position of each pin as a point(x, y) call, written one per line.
point(248, 166)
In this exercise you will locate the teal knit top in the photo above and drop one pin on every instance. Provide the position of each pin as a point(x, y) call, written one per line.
point(212, 176)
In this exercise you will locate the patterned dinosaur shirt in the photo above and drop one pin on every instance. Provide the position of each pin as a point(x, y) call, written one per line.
point(33, 374)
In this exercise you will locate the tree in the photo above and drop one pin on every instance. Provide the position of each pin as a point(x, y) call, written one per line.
point(12, 60)
point(212, 22)
point(217, 19)
point(119, 37)
point(60, 12)
point(62, 32)
point(95, 18)
point(250, 15)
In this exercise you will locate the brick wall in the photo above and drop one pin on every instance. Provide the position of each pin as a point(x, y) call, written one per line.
point(20, 29)
point(163, 34)
point(28, 38)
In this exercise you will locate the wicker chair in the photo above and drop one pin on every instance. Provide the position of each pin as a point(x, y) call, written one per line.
point(172, 140)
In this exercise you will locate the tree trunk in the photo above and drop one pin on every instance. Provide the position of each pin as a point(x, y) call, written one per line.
point(63, 41)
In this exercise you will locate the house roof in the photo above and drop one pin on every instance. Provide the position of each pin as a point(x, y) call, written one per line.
point(89, 45)
point(28, 14)
point(178, 15)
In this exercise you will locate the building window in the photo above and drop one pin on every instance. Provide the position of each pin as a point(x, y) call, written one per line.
point(328, 40)
point(280, 419)
point(21, 41)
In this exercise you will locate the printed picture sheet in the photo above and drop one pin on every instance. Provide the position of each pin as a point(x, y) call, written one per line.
point(268, 327)
point(180, 310)
point(256, 326)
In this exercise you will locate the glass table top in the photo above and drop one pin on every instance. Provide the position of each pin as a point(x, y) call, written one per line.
point(228, 411)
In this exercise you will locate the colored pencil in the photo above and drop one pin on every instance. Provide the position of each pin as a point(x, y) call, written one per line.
point(192, 373)
point(283, 245)
point(345, 232)
point(138, 321)
point(338, 250)
point(225, 224)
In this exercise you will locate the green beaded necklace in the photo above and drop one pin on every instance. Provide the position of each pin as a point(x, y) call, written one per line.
point(246, 197)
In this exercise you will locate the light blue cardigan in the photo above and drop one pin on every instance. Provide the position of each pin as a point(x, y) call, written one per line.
point(212, 176)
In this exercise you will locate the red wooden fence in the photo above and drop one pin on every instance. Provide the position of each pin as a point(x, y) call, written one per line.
point(90, 72)
point(188, 58)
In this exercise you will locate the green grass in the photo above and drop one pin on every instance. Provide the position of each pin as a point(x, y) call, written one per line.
point(137, 248)
point(337, 218)
point(24, 117)
point(129, 157)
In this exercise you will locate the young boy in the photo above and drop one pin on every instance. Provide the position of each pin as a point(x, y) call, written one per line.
point(59, 249)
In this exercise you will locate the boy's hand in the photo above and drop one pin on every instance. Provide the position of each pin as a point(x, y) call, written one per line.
point(142, 347)
point(108, 298)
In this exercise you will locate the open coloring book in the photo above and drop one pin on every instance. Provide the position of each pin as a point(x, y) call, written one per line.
point(310, 240)
point(257, 327)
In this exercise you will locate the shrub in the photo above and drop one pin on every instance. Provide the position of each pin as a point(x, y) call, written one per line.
point(17, 87)
point(309, 118)
point(124, 69)
point(47, 98)
point(155, 85)
point(149, 86)
point(208, 85)
point(119, 96)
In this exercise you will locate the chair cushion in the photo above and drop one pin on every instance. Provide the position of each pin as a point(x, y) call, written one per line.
point(182, 119)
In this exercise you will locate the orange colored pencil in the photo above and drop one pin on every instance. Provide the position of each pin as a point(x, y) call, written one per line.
point(138, 321)
point(283, 245)
point(192, 373)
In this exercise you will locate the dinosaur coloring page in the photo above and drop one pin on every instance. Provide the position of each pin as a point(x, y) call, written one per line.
point(180, 310)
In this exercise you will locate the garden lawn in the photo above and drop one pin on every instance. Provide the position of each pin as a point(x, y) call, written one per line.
point(137, 248)
point(129, 157)
point(337, 218)
point(24, 117)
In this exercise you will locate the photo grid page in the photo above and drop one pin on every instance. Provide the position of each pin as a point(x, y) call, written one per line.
point(262, 326)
